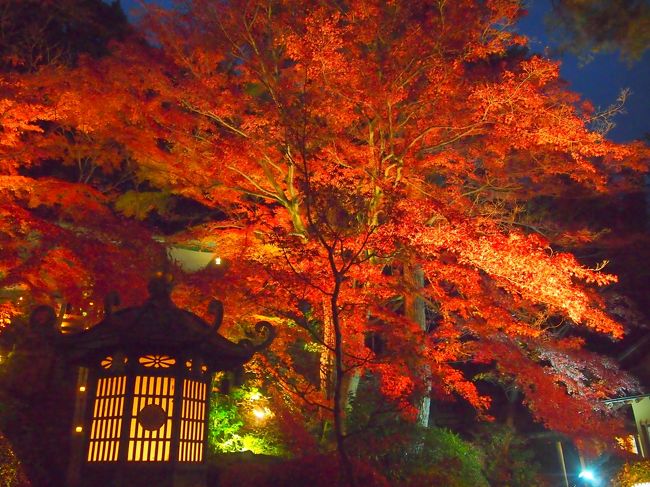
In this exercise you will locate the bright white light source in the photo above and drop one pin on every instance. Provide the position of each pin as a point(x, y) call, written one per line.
point(642, 484)
point(587, 475)
point(260, 413)
point(217, 260)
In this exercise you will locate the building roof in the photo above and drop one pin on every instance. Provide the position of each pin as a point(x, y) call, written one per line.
point(159, 326)
point(627, 399)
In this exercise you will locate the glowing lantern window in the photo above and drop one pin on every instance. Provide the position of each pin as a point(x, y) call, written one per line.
point(150, 430)
point(157, 361)
point(106, 425)
point(106, 363)
point(192, 421)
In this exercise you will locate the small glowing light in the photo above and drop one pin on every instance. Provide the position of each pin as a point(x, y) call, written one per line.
point(20, 298)
point(91, 303)
point(84, 314)
point(82, 389)
point(217, 260)
point(260, 413)
point(78, 429)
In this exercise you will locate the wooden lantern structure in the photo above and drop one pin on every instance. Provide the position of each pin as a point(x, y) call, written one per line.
point(143, 392)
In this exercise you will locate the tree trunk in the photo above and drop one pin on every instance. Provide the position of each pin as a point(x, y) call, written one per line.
point(354, 379)
point(512, 394)
point(414, 308)
point(326, 367)
point(339, 377)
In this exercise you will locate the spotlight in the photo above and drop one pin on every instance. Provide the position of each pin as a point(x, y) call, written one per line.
point(260, 413)
point(588, 476)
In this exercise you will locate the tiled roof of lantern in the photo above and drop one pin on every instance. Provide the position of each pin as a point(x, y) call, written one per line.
point(159, 326)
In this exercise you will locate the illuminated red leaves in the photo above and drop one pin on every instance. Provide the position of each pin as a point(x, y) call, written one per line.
point(329, 148)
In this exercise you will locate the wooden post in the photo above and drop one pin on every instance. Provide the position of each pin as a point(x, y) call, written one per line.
point(560, 454)
point(78, 420)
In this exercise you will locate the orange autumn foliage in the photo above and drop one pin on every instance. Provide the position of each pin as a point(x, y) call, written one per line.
point(324, 146)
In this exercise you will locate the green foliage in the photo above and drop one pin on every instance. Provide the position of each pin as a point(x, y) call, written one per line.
point(11, 473)
point(632, 473)
point(407, 453)
point(242, 421)
point(444, 458)
point(139, 204)
point(509, 460)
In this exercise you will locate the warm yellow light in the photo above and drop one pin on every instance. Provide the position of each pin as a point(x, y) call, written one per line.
point(82, 389)
point(217, 260)
point(78, 429)
point(628, 443)
point(260, 413)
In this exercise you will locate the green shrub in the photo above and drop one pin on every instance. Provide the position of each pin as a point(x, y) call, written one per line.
point(234, 426)
point(438, 456)
point(409, 455)
point(509, 459)
point(11, 472)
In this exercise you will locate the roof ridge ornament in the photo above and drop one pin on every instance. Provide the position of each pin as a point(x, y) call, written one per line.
point(160, 287)
point(262, 328)
point(111, 301)
point(158, 326)
point(215, 308)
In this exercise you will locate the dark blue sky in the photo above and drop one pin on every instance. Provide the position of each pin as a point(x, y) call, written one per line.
point(600, 81)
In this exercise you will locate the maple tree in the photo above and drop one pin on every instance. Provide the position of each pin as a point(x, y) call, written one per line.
point(365, 170)
point(38, 32)
point(48, 216)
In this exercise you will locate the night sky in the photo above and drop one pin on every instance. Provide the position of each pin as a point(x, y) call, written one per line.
point(600, 81)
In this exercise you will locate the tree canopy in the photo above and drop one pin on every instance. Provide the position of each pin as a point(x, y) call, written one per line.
point(586, 28)
point(346, 160)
